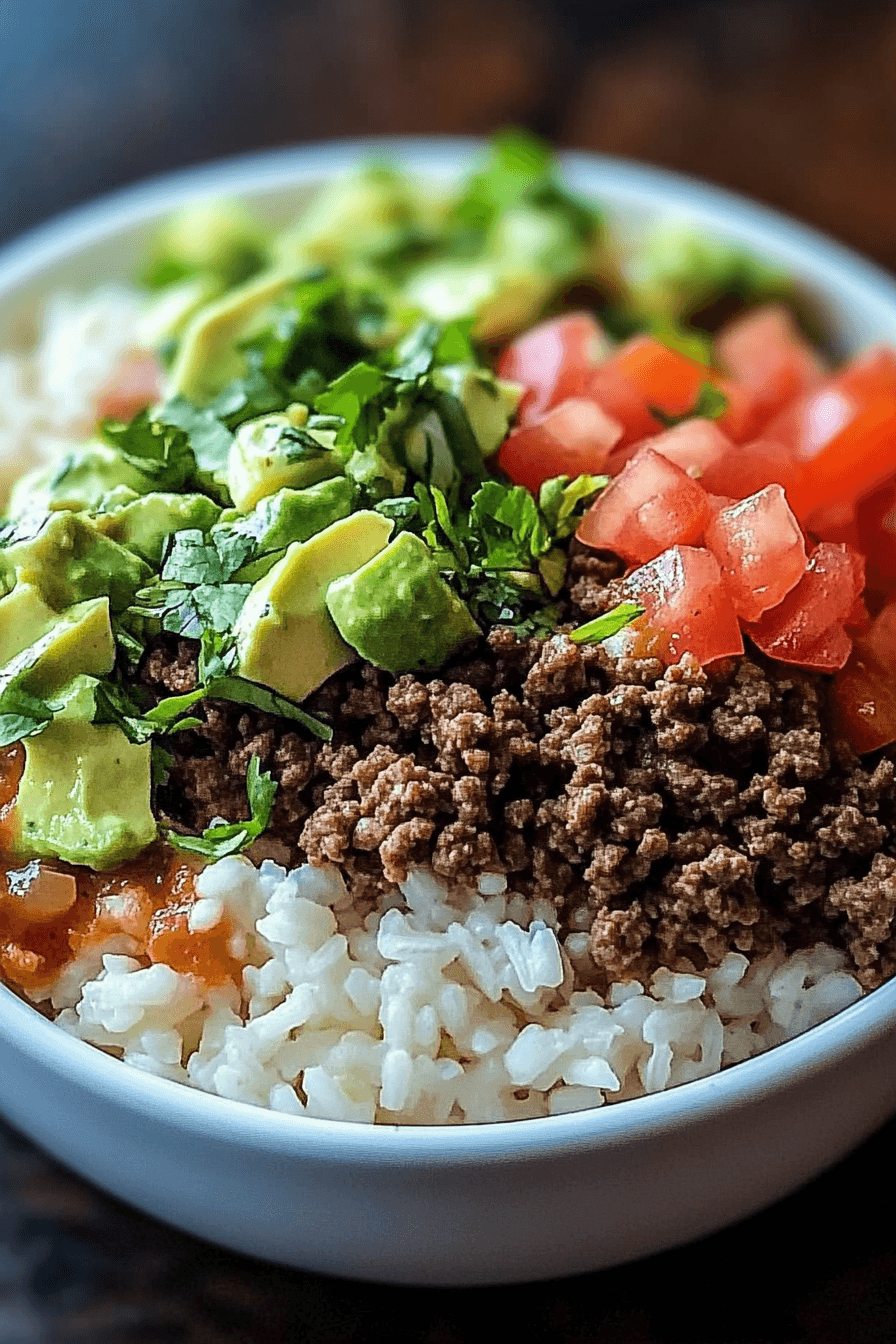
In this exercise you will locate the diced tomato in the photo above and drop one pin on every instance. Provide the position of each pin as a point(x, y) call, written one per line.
point(573, 438)
point(806, 627)
point(650, 506)
point(552, 361)
point(624, 403)
point(870, 373)
point(686, 609)
point(769, 360)
point(694, 445)
point(748, 467)
point(643, 374)
point(853, 462)
point(760, 549)
point(843, 434)
point(137, 382)
point(875, 527)
point(864, 693)
point(883, 635)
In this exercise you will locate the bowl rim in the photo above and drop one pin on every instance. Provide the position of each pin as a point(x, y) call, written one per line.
point(616, 182)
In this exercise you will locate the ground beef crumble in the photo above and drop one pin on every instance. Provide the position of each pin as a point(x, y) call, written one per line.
point(671, 816)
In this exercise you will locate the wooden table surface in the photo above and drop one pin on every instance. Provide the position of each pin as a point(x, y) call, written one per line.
point(788, 100)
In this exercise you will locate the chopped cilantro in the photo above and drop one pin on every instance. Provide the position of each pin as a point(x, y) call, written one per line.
point(610, 623)
point(223, 838)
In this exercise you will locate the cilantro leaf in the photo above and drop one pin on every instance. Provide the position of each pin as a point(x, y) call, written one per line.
point(602, 627)
point(192, 559)
point(223, 838)
point(563, 501)
point(161, 451)
point(21, 714)
point(209, 438)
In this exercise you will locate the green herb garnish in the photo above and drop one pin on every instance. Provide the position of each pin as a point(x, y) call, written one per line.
point(602, 627)
point(224, 838)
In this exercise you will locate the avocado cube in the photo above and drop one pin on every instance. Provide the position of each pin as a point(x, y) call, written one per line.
point(284, 635)
point(273, 453)
point(209, 356)
point(68, 560)
point(52, 647)
point(79, 480)
point(84, 795)
point(398, 612)
point(292, 515)
point(143, 525)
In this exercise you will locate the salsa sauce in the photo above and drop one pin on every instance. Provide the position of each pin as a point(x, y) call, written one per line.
point(52, 912)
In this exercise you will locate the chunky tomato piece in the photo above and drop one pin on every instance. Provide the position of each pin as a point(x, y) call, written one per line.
point(748, 467)
point(137, 382)
point(760, 549)
point(686, 610)
point(694, 445)
point(651, 505)
point(573, 438)
point(875, 527)
point(843, 434)
point(806, 628)
point(552, 361)
point(770, 361)
point(863, 695)
point(645, 374)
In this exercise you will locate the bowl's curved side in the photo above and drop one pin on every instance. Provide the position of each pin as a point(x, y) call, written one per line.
point(483, 1203)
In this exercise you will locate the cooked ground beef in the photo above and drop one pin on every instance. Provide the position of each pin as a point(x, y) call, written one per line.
point(671, 816)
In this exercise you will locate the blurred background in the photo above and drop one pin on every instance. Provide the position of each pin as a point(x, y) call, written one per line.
point(791, 101)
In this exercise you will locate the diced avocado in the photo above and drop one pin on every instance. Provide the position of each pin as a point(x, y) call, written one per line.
point(676, 271)
point(284, 635)
point(209, 356)
point(84, 795)
point(291, 515)
point(143, 525)
point(362, 216)
point(219, 237)
point(167, 312)
point(490, 402)
point(275, 451)
point(53, 647)
point(503, 299)
point(79, 480)
point(68, 560)
point(397, 611)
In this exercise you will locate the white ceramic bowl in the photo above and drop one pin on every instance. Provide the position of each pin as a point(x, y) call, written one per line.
point(483, 1203)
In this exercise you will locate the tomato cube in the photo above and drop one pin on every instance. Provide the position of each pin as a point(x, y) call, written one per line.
point(551, 361)
point(694, 445)
point(686, 610)
point(765, 352)
point(644, 374)
point(875, 525)
point(760, 549)
point(573, 438)
point(803, 628)
point(863, 695)
point(748, 467)
point(651, 505)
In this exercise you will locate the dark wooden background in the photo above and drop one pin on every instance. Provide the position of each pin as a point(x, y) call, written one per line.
point(793, 101)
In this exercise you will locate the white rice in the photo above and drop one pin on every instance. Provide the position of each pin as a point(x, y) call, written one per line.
point(450, 1007)
point(48, 396)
